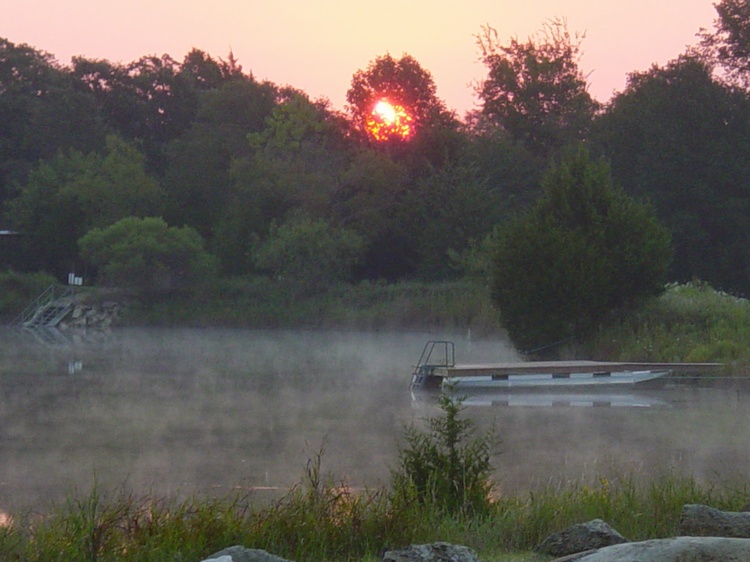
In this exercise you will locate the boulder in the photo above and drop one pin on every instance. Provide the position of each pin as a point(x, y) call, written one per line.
point(435, 552)
point(679, 549)
point(242, 554)
point(579, 538)
point(704, 521)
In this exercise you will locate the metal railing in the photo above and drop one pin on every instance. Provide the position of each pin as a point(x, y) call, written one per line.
point(48, 296)
point(445, 356)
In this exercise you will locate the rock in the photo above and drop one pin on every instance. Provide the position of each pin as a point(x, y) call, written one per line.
point(242, 554)
point(581, 537)
point(679, 549)
point(436, 552)
point(703, 521)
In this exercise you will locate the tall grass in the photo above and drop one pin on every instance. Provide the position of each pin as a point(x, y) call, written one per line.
point(690, 322)
point(323, 520)
point(441, 492)
point(258, 302)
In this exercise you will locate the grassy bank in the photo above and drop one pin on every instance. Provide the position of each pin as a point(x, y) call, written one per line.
point(326, 521)
point(263, 303)
point(690, 322)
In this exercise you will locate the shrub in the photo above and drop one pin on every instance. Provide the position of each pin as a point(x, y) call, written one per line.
point(584, 250)
point(147, 255)
point(311, 252)
point(447, 467)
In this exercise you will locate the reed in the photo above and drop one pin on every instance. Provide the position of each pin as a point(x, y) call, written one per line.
point(689, 322)
point(324, 520)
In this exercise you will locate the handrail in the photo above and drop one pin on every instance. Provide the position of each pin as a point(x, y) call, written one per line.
point(423, 374)
point(449, 358)
point(50, 294)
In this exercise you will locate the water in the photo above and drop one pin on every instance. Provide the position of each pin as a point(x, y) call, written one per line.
point(179, 412)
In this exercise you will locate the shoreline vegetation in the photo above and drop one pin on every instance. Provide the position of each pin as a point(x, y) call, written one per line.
point(324, 519)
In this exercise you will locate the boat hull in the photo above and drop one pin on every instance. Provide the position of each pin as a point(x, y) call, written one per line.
point(550, 380)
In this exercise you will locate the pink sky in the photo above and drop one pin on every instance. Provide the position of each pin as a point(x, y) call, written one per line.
point(317, 45)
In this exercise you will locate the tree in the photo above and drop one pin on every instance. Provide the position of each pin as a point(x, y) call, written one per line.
point(447, 467)
point(41, 111)
point(535, 90)
point(293, 166)
point(402, 82)
point(147, 255)
point(372, 199)
point(310, 252)
point(151, 100)
point(74, 192)
point(449, 209)
point(729, 45)
point(197, 179)
point(679, 138)
point(584, 250)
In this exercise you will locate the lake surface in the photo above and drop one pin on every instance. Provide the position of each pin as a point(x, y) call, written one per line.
point(177, 412)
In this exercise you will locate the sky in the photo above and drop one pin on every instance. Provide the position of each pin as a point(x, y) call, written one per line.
point(317, 45)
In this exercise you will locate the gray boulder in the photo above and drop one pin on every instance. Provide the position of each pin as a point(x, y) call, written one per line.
point(703, 521)
point(679, 549)
point(436, 552)
point(580, 538)
point(242, 554)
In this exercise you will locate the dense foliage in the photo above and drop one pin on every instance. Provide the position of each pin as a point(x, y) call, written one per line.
point(203, 144)
point(584, 250)
point(447, 467)
point(693, 170)
point(147, 255)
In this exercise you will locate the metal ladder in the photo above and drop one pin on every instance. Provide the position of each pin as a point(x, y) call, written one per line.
point(423, 375)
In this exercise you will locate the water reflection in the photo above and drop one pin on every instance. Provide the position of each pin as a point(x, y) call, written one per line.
point(174, 412)
point(590, 399)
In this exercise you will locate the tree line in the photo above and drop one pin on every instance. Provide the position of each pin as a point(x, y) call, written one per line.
point(256, 178)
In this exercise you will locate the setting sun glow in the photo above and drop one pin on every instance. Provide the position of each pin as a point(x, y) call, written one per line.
point(389, 120)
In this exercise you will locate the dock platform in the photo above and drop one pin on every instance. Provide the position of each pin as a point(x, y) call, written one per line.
point(437, 366)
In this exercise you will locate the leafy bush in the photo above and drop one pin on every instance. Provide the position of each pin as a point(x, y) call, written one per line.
point(690, 322)
point(147, 255)
point(447, 467)
point(310, 251)
point(584, 250)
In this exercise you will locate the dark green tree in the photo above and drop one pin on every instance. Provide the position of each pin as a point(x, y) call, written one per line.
point(197, 180)
point(41, 111)
point(373, 199)
point(293, 166)
point(447, 467)
point(147, 255)
point(150, 101)
point(448, 210)
point(535, 90)
point(74, 192)
point(310, 252)
point(728, 46)
point(402, 82)
point(679, 138)
point(585, 250)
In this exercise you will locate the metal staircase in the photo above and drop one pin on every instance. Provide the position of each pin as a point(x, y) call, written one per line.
point(48, 309)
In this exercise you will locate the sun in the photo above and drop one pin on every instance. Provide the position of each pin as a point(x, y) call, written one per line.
point(389, 120)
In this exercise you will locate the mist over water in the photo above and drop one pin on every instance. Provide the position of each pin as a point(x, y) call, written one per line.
point(183, 412)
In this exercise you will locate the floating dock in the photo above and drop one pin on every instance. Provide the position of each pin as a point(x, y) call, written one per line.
point(437, 366)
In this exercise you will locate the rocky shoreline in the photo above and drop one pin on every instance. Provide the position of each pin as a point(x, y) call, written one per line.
point(705, 533)
point(84, 315)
